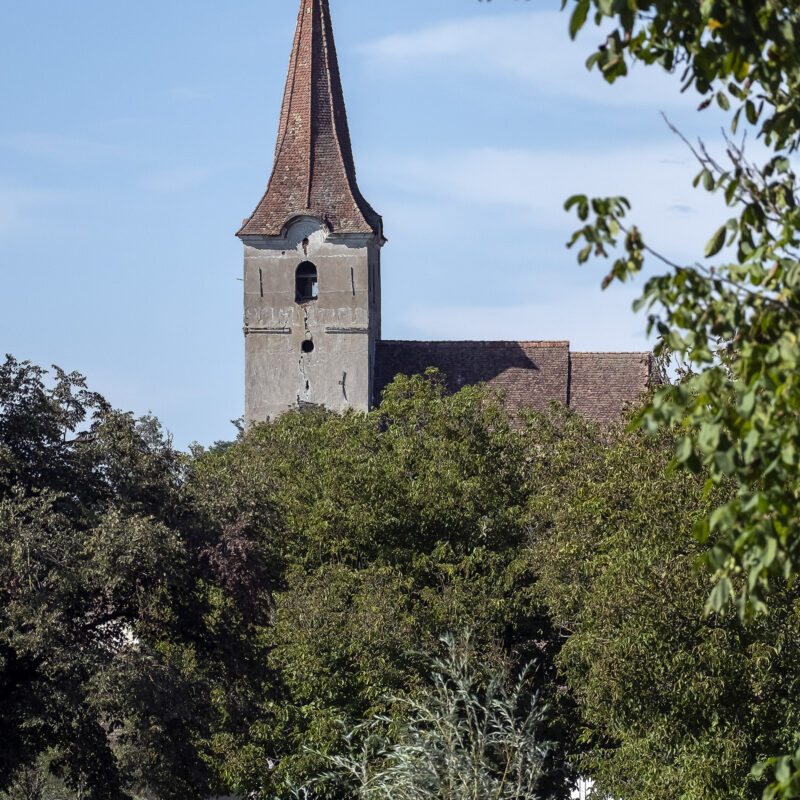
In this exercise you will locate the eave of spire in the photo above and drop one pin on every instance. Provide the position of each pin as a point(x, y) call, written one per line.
point(313, 172)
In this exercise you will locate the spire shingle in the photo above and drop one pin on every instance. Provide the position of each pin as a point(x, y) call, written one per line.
point(313, 173)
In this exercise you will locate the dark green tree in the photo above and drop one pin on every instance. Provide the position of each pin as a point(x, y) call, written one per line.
point(384, 531)
point(117, 606)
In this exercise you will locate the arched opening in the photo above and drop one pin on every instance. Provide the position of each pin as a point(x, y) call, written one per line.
point(305, 282)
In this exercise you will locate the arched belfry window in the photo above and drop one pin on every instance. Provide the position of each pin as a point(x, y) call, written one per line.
point(305, 282)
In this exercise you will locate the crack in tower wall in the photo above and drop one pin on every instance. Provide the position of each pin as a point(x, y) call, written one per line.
point(305, 385)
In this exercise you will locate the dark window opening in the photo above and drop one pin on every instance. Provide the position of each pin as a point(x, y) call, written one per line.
point(305, 282)
point(307, 346)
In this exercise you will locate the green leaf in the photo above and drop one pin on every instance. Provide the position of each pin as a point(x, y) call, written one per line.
point(716, 243)
point(746, 404)
point(721, 514)
point(759, 769)
point(702, 530)
point(580, 200)
point(730, 191)
point(735, 120)
point(578, 17)
point(720, 595)
point(770, 552)
point(724, 461)
point(684, 449)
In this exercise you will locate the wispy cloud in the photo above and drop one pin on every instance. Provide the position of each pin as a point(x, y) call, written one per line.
point(530, 47)
point(177, 179)
point(21, 208)
point(532, 186)
point(611, 326)
point(188, 93)
point(59, 148)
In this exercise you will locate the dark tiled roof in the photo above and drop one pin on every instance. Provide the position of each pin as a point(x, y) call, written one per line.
point(531, 374)
point(602, 384)
point(313, 173)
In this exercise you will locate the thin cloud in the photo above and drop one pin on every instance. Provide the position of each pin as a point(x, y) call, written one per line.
point(21, 208)
point(59, 148)
point(611, 325)
point(177, 179)
point(532, 186)
point(530, 47)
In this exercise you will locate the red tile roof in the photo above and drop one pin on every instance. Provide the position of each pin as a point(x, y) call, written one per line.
point(530, 374)
point(313, 172)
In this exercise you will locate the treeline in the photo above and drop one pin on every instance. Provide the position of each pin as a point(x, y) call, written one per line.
point(186, 625)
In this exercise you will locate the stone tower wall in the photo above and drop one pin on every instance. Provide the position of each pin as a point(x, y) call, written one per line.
point(342, 323)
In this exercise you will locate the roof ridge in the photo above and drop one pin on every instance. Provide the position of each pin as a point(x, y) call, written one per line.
point(535, 342)
point(612, 352)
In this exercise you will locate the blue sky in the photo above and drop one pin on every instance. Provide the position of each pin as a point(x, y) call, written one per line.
point(135, 136)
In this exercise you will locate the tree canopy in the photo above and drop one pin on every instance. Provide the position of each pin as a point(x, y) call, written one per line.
point(385, 531)
point(672, 704)
point(111, 639)
point(184, 625)
point(732, 317)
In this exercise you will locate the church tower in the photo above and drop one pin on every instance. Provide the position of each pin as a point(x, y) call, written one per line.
point(312, 288)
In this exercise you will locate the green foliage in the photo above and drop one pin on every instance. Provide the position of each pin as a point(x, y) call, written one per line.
point(741, 53)
point(673, 705)
point(383, 532)
point(786, 771)
point(737, 325)
point(734, 322)
point(471, 732)
point(289, 580)
point(110, 635)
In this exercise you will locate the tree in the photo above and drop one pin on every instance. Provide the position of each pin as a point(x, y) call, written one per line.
point(115, 615)
point(735, 321)
point(384, 531)
point(672, 704)
point(471, 732)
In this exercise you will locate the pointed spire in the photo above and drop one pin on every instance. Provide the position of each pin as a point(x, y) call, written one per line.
point(313, 173)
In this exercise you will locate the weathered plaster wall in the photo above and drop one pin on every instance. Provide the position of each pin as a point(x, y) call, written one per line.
point(343, 323)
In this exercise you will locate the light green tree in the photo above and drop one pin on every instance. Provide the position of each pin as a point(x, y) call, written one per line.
point(733, 316)
point(672, 704)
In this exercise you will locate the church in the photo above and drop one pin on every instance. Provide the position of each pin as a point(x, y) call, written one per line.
point(312, 281)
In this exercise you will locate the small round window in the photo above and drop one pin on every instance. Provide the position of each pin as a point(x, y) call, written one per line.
point(307, 346)
point(305, 282)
